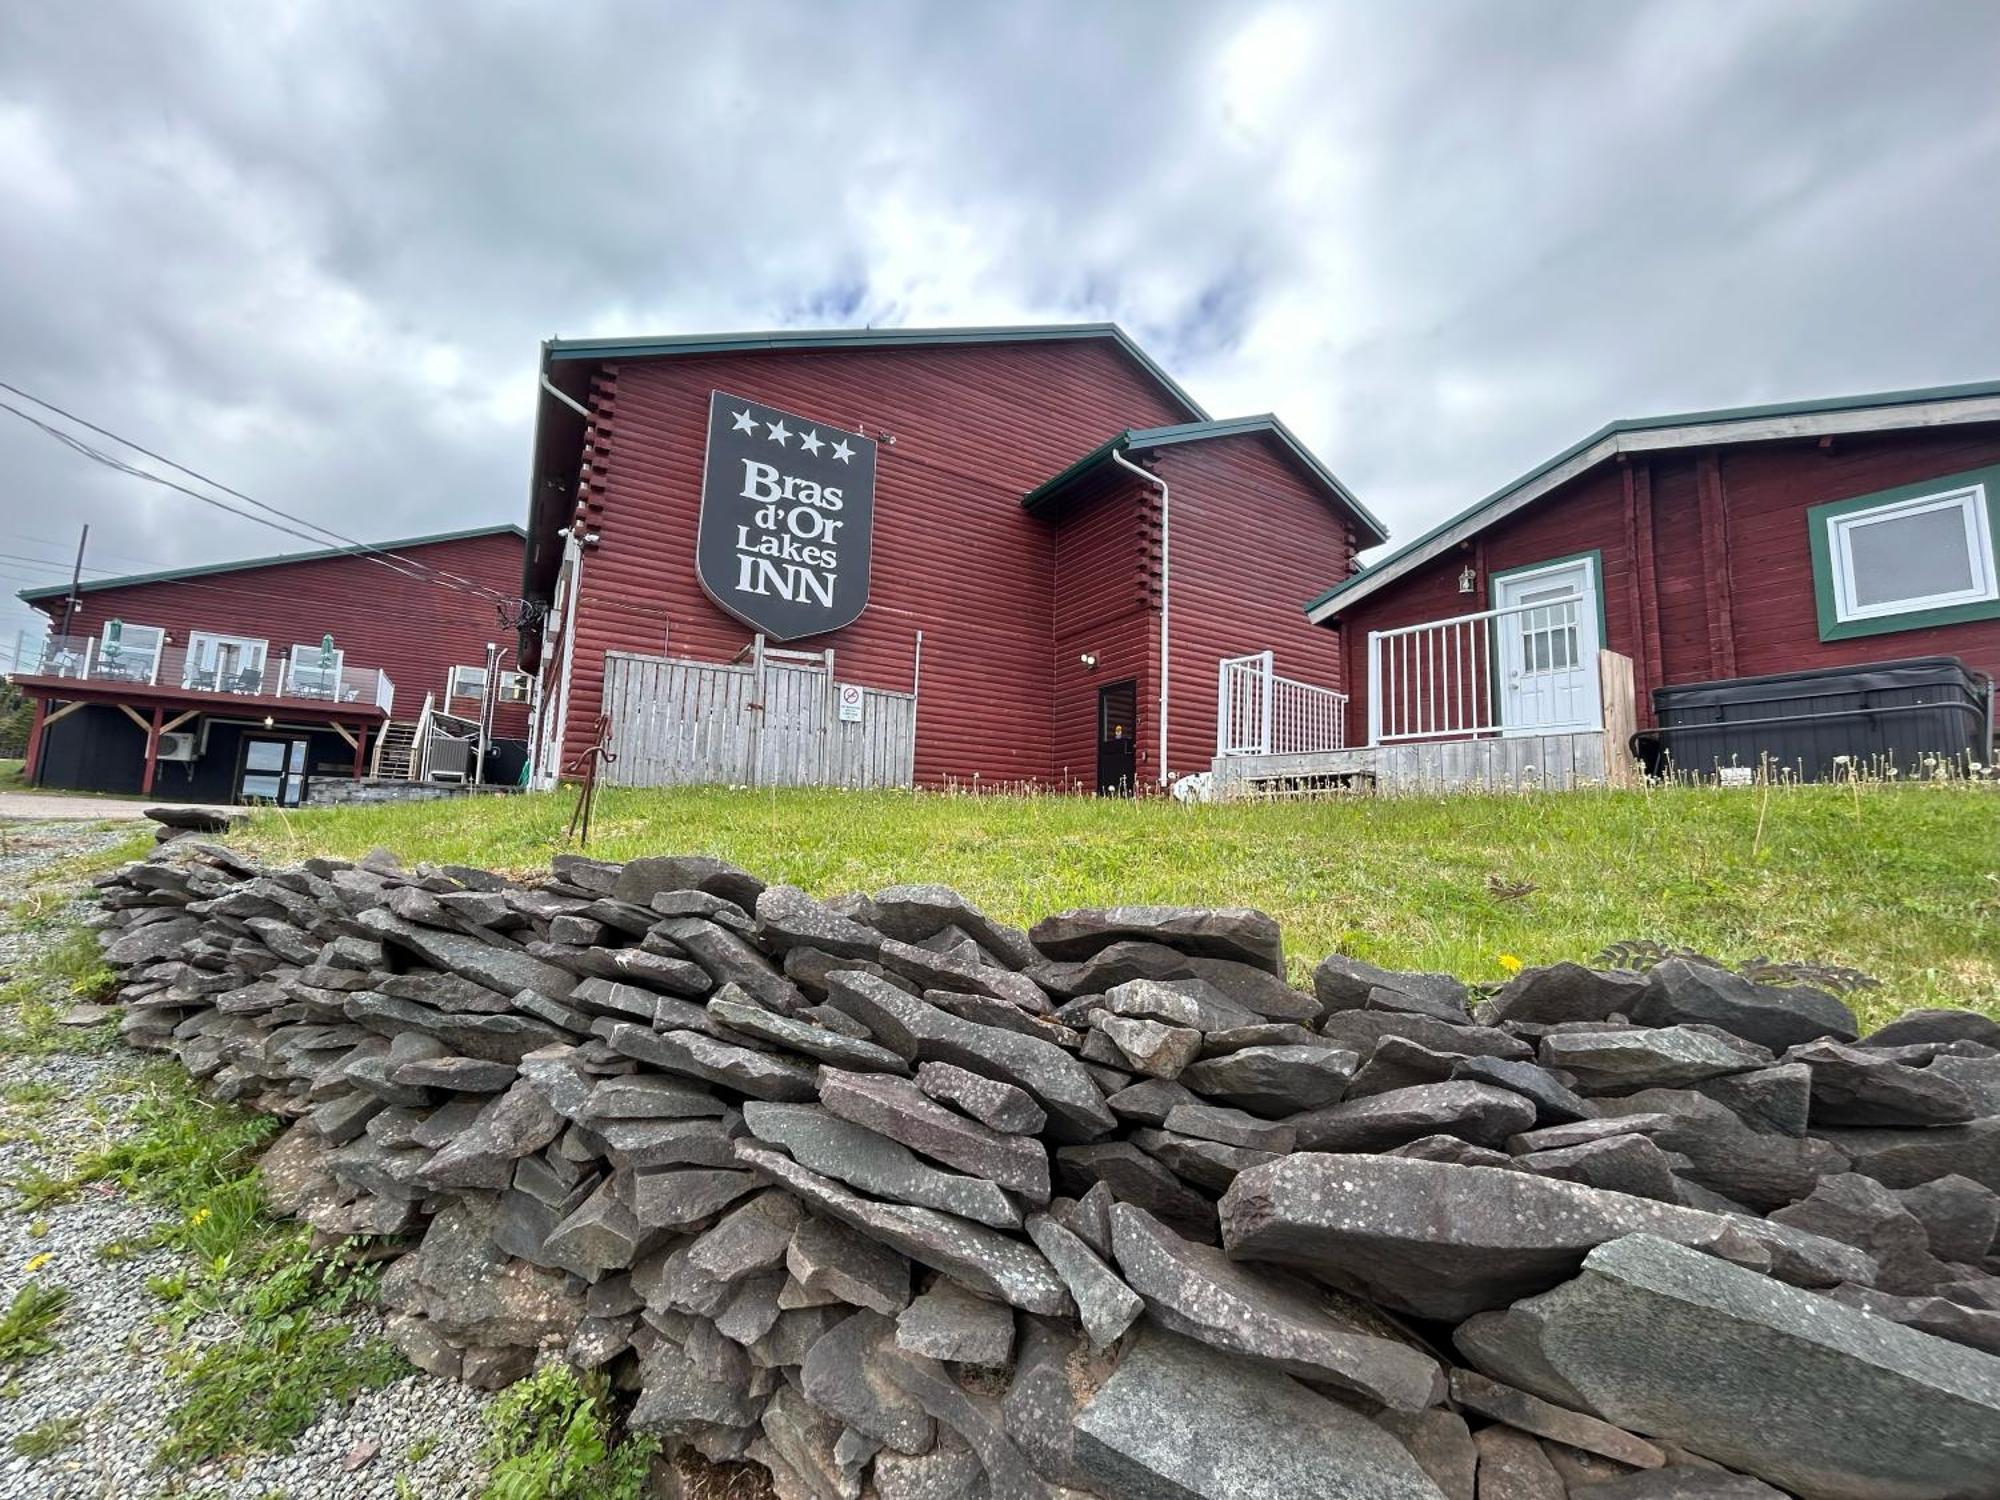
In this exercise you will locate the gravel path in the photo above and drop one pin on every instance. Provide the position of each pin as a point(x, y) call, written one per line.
point(110, 1369)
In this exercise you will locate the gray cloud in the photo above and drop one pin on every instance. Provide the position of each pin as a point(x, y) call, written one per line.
point(310, 250)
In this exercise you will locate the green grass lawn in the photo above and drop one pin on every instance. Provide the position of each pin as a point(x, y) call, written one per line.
point(1902, 882)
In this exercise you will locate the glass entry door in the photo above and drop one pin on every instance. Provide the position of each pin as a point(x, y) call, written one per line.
point(273, 770)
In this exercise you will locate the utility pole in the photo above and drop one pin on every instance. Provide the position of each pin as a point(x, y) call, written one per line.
point(71, 604)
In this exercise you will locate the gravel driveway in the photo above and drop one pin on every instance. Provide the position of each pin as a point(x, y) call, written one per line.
point(110, 1370)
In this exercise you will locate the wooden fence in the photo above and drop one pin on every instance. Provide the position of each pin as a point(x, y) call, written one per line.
point(760, 722)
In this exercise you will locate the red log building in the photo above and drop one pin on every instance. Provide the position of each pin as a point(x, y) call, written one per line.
point(248, 680)
point(1064, 547)
point(1705, 546)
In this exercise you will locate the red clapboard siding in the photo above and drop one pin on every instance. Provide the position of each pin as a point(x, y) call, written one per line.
point(1755, 553)
point(412, 629)
point(1250, 541)
point(1106, 599)
point(955, 554)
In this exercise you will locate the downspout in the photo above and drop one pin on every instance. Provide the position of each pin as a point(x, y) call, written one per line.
point(572, 563)
point(1166, 575)
point(567, 400)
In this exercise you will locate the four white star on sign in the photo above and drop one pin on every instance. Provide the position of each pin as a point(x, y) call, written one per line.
point(744, 422)
point(841, 451)
point(779, 432)
point(810, 442)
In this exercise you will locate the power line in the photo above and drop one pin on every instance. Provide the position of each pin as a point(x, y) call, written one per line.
point(514, 611)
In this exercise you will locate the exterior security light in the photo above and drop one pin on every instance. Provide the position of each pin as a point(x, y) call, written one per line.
point(1089, 660)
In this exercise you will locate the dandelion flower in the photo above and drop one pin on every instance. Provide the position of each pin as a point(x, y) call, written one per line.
point(36, 1262)
point(1509, 962)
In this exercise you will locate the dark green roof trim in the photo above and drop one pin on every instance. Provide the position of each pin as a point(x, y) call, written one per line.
point(1884, 400)
point(172, 575)
point(1147, 439)
point(669, 346)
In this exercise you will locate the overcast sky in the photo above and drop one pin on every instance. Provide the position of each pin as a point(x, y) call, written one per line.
point(310, 249)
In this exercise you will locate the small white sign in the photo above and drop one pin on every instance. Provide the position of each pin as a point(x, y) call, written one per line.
point(850, 703)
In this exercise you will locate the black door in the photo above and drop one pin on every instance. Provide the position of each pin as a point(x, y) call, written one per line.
point(272, 770)
point(1117, 766)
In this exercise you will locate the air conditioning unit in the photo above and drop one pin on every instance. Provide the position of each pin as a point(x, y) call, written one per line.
point(177, 747)
point(516, 687)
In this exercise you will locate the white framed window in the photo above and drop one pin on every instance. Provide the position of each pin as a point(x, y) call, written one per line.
point(1929, 552)
point(129, 653)
point(465, 682)
point(310, 673)
point(225, 663)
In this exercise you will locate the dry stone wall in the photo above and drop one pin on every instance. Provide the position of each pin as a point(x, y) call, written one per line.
point(895, 1200)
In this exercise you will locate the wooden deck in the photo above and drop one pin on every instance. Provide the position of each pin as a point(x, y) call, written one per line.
point(1553, 762)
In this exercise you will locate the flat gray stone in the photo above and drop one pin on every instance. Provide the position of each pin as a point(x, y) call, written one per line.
point(1960, 1217)
point(1134, 1176)
point(1105, 1304)
point(1232, 1127)
point(1529, 1413)
point(1273, 1081)
point(898, 1109)
point(505, 970)
point(1180, 1420)
point(1000, 1106)
point(1623, 1062)
point(1563, 992)
point(681, 1197)
point(728, 958)
point(1343, 983)
point(1513, 1466)
point(1820, 1399)
point(1238, 934)
point(1210, 1165)
point(1773, 1016)
point(761, 1075)
point(986, 1261)
point(647, 1096)
point(826, 1256)
point(1150, 1047)
point(1253, 987)
point(919, 1031)
point(730, 1008)
point(1618, 1163)
point(1937, 1026)
point(1862, 1086)
point(1554, 1102)
point(949, 1323)
point(1193, 1003)
point(1907, 1158)
point(1474, 1112)
point(1439, 1240)
point(1198, 1292)
point(788, 918)
point(823, 1142)
point(911, 913)
point(1974, 1327)
point(1360, 1030)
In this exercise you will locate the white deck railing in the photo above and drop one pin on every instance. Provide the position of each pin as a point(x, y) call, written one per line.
point(155, 664)
point(1257, 712)
point(1528, 668)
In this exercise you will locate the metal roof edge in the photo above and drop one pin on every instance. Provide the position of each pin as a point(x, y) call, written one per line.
point(1144, 438)
point(675, 345)
point(1384, 569)
point(200, 570)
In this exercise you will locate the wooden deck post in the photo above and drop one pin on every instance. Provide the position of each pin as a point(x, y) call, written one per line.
point(152, 752)
point(360, 749)
point(1615, 692)
point(31, 768)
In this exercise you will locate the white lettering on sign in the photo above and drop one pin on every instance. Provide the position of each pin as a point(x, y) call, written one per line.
point(850, 703)
point(790, 510)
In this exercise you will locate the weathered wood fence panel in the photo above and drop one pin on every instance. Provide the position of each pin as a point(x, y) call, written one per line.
point(758, 723)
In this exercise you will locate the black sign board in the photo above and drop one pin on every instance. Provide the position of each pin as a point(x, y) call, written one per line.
point(787, 519)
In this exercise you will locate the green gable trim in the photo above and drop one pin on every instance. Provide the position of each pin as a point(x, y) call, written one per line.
point(1148, 439)
point(173, 575)
point(673, 345)
point(1970, 390)
point(1819, 537)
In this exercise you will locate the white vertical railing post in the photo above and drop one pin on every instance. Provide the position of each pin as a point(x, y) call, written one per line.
point(1267, 666)
point(1374, 687)
point(1222, 707)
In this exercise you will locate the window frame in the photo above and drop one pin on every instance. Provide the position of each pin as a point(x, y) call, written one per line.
point(1975, 493)
point(197, 639)
point(451, 684)
point(126, 627)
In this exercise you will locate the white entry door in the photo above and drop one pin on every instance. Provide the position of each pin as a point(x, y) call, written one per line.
point(1548, 648)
